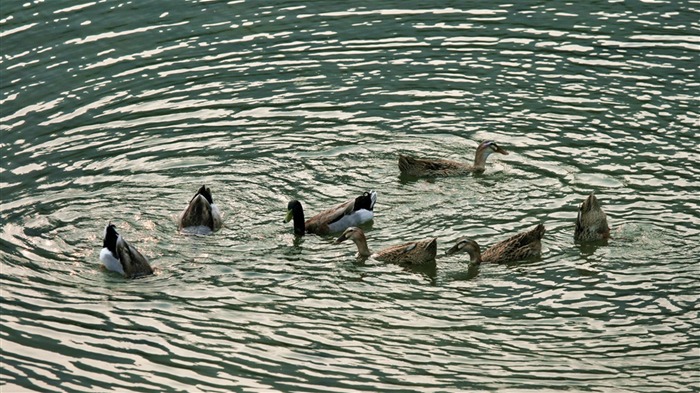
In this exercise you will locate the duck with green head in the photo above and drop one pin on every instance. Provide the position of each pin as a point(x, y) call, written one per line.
point(352, 212)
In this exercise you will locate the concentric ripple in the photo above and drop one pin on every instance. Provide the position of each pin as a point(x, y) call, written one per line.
point(118, 111)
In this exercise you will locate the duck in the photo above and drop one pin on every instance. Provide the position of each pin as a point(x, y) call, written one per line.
point(591, 223)
point(524, 245)
point(119, 256)
point(414, 253)
point(201, 215)
point(423, 167)
point(352, 212)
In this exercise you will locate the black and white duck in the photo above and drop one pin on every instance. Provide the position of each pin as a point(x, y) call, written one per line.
point(119, 256)
point(353, 212)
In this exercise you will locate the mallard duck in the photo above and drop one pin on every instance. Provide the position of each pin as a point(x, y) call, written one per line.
point(121, 257)
point(521, 246)
point(336, 219)
point(437, 167)
point(412, 253)
point(202, 214)
point(591, 223)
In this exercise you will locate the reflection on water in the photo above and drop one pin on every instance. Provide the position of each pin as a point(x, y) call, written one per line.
point(116, 112)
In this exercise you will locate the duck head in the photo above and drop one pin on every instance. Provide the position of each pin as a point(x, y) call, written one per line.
point(353, 233)
point(358, 237)
point(469, 246)
point(488, 147)
point(484, 151)
point(296, 211)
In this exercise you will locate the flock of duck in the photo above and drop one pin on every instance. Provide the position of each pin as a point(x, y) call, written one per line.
point(203, 216)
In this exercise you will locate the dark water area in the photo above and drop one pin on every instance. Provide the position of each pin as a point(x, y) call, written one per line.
point(119, 111)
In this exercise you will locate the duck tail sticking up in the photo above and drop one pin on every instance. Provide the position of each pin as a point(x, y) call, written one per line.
point(366, 201)
point(110, 237)
point(538, 232)
point(205, 192)
point(591, 222)
point(406, 164)
point(201, 215)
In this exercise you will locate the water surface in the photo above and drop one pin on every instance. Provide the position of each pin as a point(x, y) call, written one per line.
point(119, 111)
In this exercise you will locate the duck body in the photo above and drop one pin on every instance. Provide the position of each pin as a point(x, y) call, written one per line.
point(423, 167)
point(336, 219)
point(119, 256)
point(414, 253)
point(201, 215)
point(525, 245)
point(591, 222)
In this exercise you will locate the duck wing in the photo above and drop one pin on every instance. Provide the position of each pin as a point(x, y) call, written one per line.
point(133, 262)
point(412, 253)
point(338, 218)
point(429, 167)
point(523, 245)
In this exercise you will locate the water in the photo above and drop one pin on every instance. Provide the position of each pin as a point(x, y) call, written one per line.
point(119, 111)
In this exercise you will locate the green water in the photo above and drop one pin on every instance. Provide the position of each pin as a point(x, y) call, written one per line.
point(119, 111)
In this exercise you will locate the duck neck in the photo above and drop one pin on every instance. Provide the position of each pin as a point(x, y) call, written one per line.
point(480, 159)
point(474, 257)
point(298, 218)
point(361, 242)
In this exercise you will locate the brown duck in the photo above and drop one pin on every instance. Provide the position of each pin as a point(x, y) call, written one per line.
point(423, 167)
point(521, 246)
point(201, 215)
point(591, 223)
point(412, 253)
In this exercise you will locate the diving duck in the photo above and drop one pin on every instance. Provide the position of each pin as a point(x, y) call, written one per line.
point(438, 167)
point(201, 215)
point(591, 223)
point(121, 257)
point(336, 219)
point(412, 253)
point(521, 246)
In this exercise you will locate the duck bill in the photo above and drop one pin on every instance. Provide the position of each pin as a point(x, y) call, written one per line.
point(289, 216)
point(340, 239)
point(501, 150)
point(452, 250)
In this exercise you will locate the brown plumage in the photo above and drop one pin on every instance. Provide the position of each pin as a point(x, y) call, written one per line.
point(422, 167)
point(521, 246)
point(591, 223)
point(412, 253)
point(201, 212)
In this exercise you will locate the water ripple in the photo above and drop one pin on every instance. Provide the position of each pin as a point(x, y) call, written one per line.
point(120, 112)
